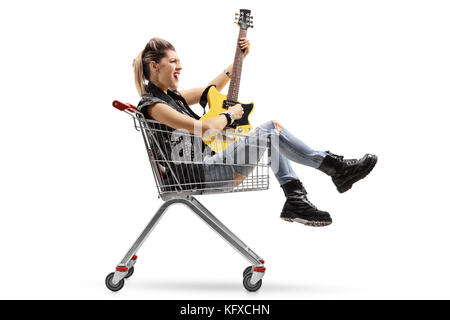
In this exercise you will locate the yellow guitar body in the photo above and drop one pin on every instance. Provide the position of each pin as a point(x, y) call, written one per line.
point(221, 141)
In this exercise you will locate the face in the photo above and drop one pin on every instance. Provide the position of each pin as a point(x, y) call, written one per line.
point(166, 73)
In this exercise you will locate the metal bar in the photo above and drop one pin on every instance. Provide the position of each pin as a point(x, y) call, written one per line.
point(156, 141)
point(222, 230)
point(176, 178)
point(141, 239)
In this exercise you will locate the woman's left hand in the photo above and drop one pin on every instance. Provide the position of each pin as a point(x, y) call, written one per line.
point(244, 44)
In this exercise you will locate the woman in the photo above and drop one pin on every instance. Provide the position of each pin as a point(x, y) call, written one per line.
point(157, 70)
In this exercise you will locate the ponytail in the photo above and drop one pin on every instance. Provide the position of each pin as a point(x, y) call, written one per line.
point(139, 78)
point(155, 50)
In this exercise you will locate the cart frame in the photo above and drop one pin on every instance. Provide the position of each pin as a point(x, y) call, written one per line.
point(259, 180)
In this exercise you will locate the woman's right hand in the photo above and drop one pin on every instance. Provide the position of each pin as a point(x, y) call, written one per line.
point(237, 110)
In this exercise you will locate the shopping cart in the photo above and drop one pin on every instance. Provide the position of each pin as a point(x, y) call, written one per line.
point(179, 179)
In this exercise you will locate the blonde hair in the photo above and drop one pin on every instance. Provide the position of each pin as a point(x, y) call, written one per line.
point(154, 50)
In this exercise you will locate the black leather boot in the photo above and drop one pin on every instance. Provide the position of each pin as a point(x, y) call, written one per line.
point(298, 208)
point(345, 172)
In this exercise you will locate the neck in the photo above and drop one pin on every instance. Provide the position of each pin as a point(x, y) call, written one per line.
point(159, 85)
point(233, 89)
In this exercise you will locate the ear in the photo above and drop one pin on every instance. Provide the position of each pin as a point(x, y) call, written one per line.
point(154, 67)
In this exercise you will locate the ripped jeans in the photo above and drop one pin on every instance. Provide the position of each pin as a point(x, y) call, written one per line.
point(244, 153)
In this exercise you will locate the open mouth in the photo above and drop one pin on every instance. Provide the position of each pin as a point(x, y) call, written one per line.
point(176, 75)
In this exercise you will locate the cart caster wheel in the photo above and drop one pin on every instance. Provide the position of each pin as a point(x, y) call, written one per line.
point(251, 287)
point(247, 271)
point(110, 285)
point(130, 272)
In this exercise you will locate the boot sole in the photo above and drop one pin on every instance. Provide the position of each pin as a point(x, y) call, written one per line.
point(309, 223)
point(347, 186)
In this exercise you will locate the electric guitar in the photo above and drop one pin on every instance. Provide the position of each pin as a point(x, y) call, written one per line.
point(219, 103)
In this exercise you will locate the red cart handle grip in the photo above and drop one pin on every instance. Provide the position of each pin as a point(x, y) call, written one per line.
point(124, 106)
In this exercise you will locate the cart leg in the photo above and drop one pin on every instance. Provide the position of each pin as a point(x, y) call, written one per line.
point(129, 259)
point(222, 230)
point(223, 227)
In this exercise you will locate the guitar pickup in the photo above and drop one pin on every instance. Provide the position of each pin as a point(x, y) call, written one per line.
point(228, 103)
point(247, 109)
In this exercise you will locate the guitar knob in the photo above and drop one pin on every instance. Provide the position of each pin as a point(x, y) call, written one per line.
point(240, 130)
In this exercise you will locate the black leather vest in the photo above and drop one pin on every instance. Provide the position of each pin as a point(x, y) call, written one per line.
point(190, 171)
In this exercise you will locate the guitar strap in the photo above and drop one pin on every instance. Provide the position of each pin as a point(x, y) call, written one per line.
point(203, 98)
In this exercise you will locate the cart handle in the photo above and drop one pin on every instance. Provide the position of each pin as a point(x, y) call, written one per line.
point(124, 106)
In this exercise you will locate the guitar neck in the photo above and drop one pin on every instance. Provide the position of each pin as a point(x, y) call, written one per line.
point(233, 90)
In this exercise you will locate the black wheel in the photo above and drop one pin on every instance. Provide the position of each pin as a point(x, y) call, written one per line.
point(130, 272)
point(110, 285)
point(251, 287)
point(247, 271)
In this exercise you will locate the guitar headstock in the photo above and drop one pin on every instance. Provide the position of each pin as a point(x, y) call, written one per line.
point(244, 19)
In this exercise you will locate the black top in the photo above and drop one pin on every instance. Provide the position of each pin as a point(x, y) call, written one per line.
point(190, 171)
point(173, 98)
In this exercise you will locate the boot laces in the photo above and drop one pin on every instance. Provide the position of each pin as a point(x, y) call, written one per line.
point(350, 162)
point(306, 200)
point(304, 197)
point(301, 193)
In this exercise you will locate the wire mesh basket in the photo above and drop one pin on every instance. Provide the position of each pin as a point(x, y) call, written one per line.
point(183, 164)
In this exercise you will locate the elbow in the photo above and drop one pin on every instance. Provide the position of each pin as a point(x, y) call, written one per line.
point(201, 127)
point(208, 129)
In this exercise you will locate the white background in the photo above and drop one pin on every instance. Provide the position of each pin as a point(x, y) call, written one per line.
point(347, 76)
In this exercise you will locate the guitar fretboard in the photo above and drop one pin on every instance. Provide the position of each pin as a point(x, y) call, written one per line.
point(233, 90)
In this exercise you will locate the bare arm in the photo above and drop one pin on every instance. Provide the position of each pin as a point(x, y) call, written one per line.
point(192, 96)
point(174, 119)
